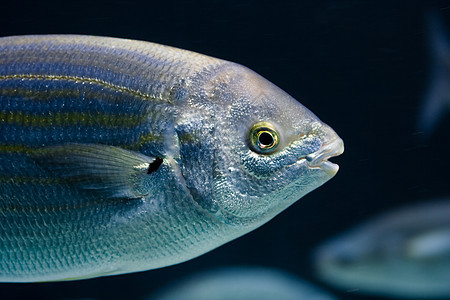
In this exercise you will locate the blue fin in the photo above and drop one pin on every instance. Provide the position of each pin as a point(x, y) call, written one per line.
point(108, 170)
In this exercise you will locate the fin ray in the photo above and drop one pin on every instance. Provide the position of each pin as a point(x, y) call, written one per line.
point(108, 170)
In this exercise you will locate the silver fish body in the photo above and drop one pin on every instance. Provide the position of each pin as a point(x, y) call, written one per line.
point(404, 254)
point(119, 156)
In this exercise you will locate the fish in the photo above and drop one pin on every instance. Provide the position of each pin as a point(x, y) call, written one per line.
point(436, 102)
point(241, 283)
point(403, 253)
point(119, 156)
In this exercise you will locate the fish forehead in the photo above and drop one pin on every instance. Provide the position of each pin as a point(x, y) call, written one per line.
point(247, 93)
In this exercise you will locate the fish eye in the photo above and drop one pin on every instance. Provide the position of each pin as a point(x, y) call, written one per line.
point(263, 138)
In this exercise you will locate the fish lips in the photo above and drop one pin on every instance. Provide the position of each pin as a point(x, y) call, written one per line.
point(319, 159)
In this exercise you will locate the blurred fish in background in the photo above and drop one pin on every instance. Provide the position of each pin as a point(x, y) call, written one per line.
point(437, 98)
point(404, 253)
point(242, 283)
point(78, 299)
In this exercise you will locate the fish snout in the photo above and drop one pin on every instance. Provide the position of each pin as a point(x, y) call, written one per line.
point(332, 146)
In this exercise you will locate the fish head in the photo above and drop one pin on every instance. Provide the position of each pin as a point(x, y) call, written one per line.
point(268, 149)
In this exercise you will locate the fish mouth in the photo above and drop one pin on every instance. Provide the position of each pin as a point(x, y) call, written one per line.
point(319, 159)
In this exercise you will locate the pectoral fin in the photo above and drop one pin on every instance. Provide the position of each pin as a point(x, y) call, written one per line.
point(111, 171)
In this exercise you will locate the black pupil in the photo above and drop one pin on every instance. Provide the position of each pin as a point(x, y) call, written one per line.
point(265, 139)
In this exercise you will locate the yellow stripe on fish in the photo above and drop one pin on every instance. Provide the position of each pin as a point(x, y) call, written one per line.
point(29, 179)
point(77, 79)
point(70, 118)
point(143, 139)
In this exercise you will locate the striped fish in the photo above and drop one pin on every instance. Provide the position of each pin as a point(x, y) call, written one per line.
point(119, 156)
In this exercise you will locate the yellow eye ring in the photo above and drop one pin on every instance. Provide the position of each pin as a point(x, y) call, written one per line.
point(263, 138)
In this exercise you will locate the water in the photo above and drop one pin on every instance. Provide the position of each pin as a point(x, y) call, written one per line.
point(363, 67)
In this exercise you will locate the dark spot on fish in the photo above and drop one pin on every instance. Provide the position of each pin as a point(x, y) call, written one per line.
point(154, 165)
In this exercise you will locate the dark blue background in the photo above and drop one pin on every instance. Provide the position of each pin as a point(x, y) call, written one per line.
point(361, 66)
